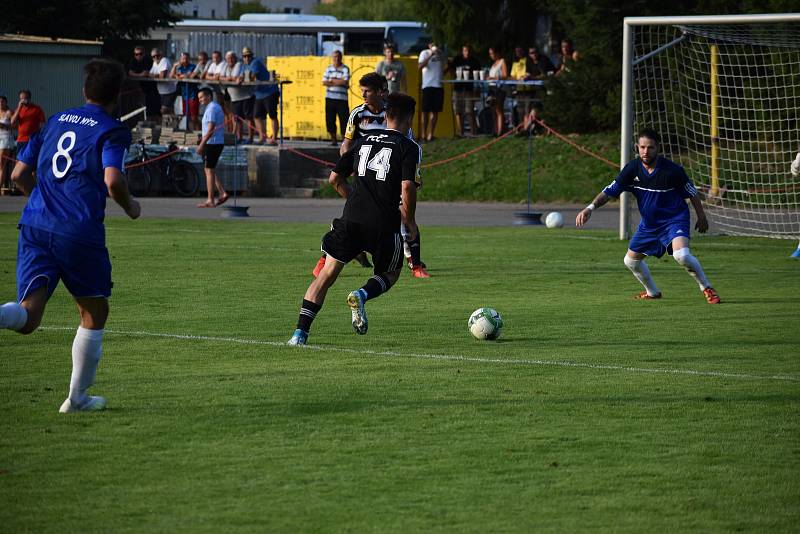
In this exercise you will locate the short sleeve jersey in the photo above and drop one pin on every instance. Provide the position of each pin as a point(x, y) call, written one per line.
point(394, 69)
point(363, 121)
point(185, 88)
point(660, 195)
point(165, 65)
point(237, 92)
point(30, 117)
point(381, 162)
point(214, 117)
point(70, 154)
point(432, 72)
point(260, 73)
point(336, 92)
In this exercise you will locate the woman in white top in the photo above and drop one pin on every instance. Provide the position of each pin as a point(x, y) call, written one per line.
point(497, 71)
point(6, 145)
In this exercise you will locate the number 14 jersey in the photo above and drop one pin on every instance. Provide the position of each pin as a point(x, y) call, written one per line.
point(70, 154)
point(380, 161)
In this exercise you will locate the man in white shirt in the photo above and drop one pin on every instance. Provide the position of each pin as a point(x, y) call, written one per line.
point(211, 145)
point(241, 96)
point(166, 90)
point(431, 62)
point(212, 71)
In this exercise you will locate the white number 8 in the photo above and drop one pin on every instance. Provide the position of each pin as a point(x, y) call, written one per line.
point(63, 151)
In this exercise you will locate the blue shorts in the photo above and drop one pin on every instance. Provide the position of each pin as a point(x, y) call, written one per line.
point(44, 258)
point(657, 241)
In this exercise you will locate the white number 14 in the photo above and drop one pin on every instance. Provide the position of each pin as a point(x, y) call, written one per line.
point(379, 163)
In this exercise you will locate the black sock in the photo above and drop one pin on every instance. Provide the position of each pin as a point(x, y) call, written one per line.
point(308, 311)
point(414, 247)
point(376, 286)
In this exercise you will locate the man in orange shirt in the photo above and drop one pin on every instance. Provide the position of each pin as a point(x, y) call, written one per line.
point(28, 119)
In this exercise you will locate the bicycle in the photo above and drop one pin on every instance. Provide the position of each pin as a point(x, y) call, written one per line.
point(179, 172)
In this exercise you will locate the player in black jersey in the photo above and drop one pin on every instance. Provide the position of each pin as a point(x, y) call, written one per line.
point(386, 168)
point(365, 119)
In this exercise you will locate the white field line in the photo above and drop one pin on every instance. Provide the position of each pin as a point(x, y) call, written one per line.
point(449, 357)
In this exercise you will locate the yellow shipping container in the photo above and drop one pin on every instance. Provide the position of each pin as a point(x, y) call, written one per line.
point(304, 98)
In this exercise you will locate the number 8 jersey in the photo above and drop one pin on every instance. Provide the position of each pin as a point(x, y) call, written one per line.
point(381, 161)
point(70, 154)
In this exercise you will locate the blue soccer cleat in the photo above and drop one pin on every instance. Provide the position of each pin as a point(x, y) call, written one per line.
point(796, 254)
point(298, 338)
point(356, 301)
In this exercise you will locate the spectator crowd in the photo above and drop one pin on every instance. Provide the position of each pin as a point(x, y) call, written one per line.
point(249, 106)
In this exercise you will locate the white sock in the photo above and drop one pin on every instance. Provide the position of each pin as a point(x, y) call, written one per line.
point(692, 266)
point(642, 274)
point(86, 351)
point(13, 316)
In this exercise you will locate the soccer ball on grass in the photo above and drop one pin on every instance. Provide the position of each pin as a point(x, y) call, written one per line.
point(485, 323)
point(554, 220)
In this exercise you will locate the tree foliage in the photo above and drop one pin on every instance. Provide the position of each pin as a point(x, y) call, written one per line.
point(88, 19)
point(369, 10)
point(239, 8)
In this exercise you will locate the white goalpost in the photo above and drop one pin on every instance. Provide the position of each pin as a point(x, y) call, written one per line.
point(724, 94)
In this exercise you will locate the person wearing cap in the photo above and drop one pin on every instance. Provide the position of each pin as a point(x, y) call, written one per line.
point(241, 95)
point(266, 98)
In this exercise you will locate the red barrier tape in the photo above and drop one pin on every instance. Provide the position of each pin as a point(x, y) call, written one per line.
point(575, 145)
point(132, 165)
point(427, 165)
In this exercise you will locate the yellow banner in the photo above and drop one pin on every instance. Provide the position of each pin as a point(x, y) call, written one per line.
point(304, 98)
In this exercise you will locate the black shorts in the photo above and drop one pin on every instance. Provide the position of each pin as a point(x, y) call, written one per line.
point(267, 106)
point(348, 239)
point(211, 155)
point(168, 101)
point(244, 108)
point(432, 99)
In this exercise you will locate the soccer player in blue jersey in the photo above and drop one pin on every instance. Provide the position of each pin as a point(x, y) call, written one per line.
point(661, 188)
point(79, 158)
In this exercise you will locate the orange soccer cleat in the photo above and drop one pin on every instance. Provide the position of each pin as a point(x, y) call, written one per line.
point(644, 296)
point(711, 296)
point(319, 266)
point(418, 271)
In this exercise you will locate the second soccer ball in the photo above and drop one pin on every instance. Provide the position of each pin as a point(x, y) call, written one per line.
point(554, 220)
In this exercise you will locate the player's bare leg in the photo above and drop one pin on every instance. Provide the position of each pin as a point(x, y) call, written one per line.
point(314, 298)
point(433, 118)
point(684, 257)
point(635, 262)
point(87, 349)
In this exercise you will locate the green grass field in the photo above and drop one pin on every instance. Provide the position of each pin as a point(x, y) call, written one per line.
point(594, 412)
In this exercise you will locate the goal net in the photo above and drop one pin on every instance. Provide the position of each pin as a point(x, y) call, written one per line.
point(725, 98)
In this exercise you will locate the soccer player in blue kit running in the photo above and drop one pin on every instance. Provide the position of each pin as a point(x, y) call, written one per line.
point(661, 188)
point(79, 157)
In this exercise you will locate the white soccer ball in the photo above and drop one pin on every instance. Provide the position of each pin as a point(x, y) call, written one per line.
point(554, 220)
point(485, 323)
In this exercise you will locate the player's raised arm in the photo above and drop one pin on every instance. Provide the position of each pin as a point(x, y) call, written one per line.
point(586, 213)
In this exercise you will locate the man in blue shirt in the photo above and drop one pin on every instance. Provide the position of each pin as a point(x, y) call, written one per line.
point(661, 188)
point(211, 144)
point(267, 98)
point(79, 158)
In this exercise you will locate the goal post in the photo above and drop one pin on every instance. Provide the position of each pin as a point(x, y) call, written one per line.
point(724, 94)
